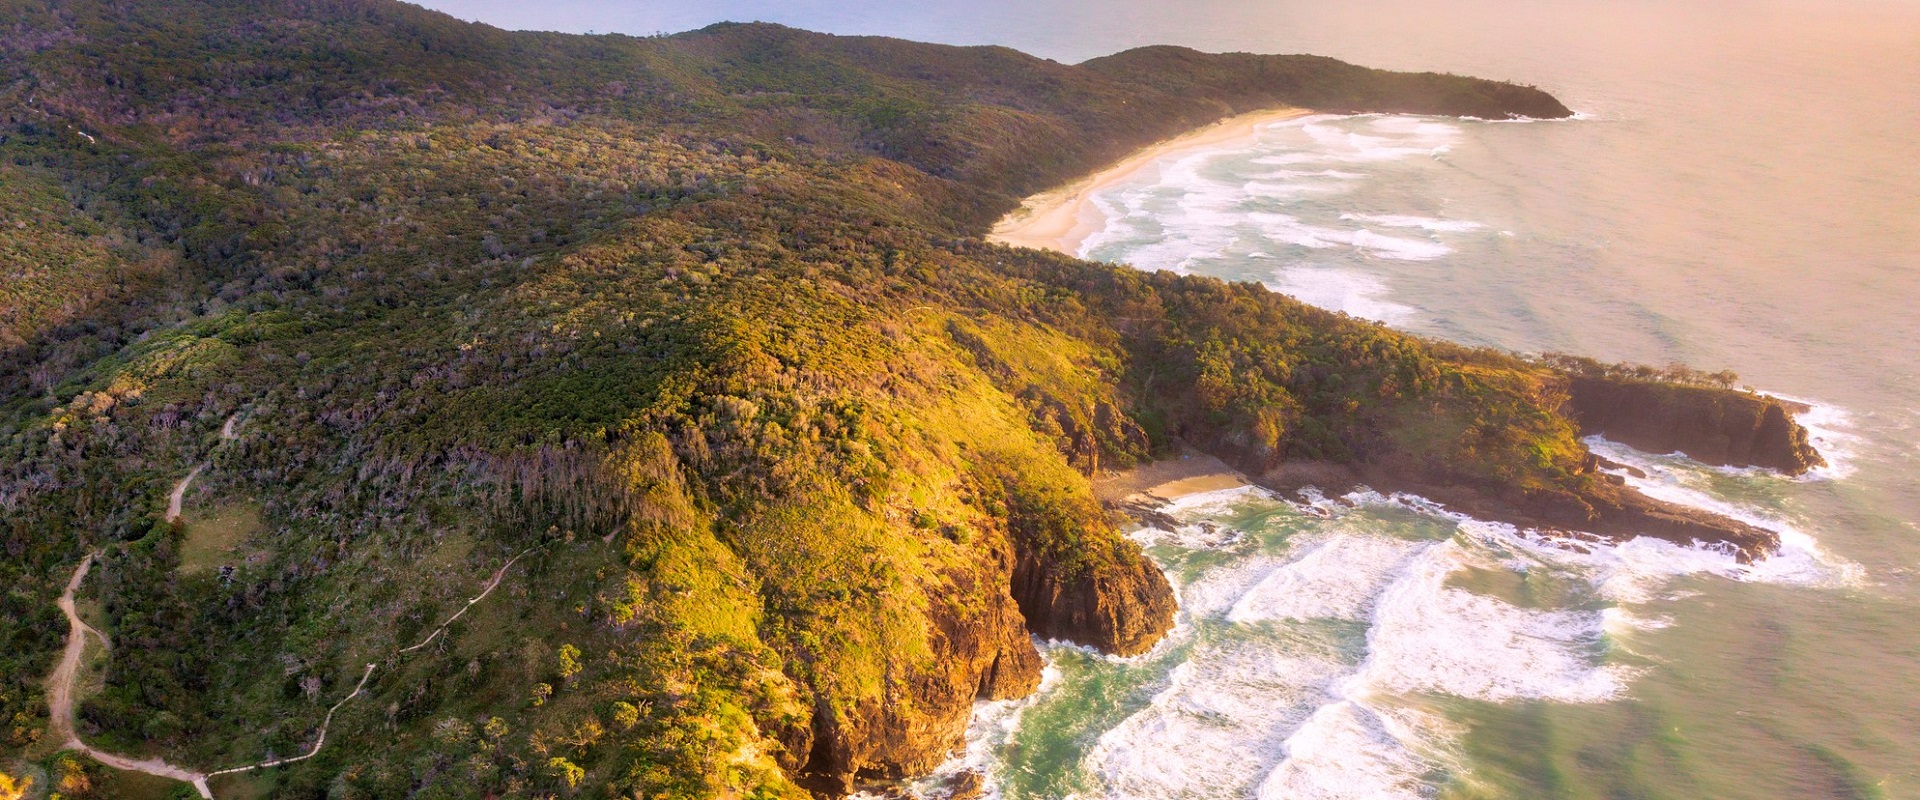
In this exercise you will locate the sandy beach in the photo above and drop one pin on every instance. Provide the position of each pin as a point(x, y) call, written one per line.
point(1063, 218)
point(1160, 482)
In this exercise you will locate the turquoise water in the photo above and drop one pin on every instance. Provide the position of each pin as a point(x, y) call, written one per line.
point(1740, 192)
point(1390, 650)
point(1370, 646)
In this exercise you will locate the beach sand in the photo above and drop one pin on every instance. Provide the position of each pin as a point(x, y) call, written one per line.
point(1063, 218)
point(1160, 482)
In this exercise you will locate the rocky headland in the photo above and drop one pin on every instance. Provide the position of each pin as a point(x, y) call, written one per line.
point(704, 323)
point(1718, 426)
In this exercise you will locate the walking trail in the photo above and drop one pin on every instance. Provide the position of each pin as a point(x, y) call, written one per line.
point(60, 685)
point(60, 696)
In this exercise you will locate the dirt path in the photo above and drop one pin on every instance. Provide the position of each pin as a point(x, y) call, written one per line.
point(60, 696)
point(227, 434)
point(497, 575)
point(321, 739)
point(180, 493)
point(60, 688)
point(317, 742)
point(60, 685)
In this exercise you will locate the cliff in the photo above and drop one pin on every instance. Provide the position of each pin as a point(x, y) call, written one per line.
point(1122, 609)
point(705, 317)
point(1716, 426)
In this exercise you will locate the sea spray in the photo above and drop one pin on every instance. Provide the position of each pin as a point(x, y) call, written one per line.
point(1292, 194)
point(1317, 633)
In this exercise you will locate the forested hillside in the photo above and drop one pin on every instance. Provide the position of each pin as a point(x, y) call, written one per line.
point(700, 326)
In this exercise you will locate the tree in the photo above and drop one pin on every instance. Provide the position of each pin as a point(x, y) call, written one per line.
point(12, 788)
point(566, 771)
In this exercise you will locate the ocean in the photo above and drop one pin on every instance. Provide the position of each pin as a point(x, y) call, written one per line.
point(1740, 191)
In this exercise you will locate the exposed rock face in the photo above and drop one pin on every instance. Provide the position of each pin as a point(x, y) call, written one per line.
point(983, 654)
point(1606, 509)
point(1121, 607)
point(1715, 426)
point(982, 629)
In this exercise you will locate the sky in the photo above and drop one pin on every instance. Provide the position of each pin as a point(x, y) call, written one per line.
point(1075, 30)
point(1065, 30)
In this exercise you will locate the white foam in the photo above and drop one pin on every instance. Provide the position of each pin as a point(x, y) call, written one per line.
point(1197, 536)
point(1412, 221)
point(1289, 190)
point(1429, 637)
point(990, 728)
point(1831, 431)
point(1676, 479)
point(1280, 716)
point(1335, 579)
point(1269, 701)
point(1398, 247)
point(1347, 750)
point(1214, 593)
point(1288, 229)
point(1218, 726)
point(1423, 127)
point(1335, 289)
point(1195, 227)
point(1293, 174)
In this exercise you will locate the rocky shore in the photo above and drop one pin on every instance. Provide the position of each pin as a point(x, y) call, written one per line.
point(1715, 426)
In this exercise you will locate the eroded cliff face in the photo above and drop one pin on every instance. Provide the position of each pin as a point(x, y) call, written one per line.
point(1105, 593)
point(982, 650)
point(1716, 426)
point(1122, 607)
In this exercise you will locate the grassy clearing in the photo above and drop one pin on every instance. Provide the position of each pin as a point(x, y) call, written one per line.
point(217, 538)
point(126, 785)
point(242, 786)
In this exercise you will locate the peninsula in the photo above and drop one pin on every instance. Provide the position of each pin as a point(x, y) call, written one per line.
point(700, 334)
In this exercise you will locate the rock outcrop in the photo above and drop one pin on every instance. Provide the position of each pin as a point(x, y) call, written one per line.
point(1716, 426)
point(1122, 607)
point(1605, 509)
point(982, 635)
point(979, 654)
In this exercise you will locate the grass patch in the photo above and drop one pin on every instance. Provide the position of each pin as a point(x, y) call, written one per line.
point(216, 539)
point(126, 785)
point(242, 786)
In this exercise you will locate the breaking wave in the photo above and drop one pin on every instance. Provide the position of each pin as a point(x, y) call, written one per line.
point(1316, 632)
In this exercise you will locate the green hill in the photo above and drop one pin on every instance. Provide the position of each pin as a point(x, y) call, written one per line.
point(700, 324)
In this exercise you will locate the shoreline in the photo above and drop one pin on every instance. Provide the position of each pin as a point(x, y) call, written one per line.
point(1061, 219)
point(1154, 484)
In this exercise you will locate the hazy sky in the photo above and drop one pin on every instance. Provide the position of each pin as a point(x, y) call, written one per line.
point(1067, 30)
point(1372, 31)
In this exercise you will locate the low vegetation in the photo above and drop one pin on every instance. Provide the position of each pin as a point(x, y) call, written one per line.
point(707, 316)
point(1672, 373)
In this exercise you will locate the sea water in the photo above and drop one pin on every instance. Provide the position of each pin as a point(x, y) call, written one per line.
point(1369, 646)
point(1741, 191)
point(1348, 647)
